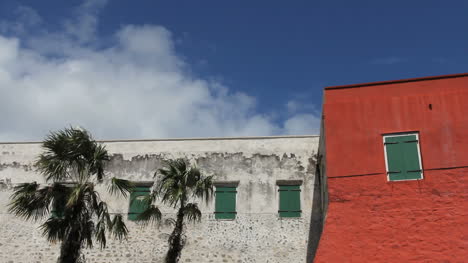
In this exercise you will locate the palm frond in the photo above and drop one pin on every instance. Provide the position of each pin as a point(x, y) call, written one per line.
point(172, 186)
point(104, 223)
point(119, 229)
point(57, 159)
point(177, 166)
point(86, 232)
point(54, 229)
point(204, 189)
point(193, 177)
point(24, 189)
point(120, 186)
point(103, 212)
point(192, 212)
point(150, 198)
point(99, 160)
point(29, 201)
point(76, 196)
point(71, 152)
point(53, 162)
point(151, 215)
point(100, 235)
point(170, 190)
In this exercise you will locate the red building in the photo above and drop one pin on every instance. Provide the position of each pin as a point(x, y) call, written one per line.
point(395, 158)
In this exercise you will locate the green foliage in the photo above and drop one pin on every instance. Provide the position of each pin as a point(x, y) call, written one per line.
point(118, 227)
point(177, 185)
point(178, 182)
point(29, 202)
point(54, 229)
point(72, 162)
point(71, 154)
point(120, 186)
point(152, 215)
point(192, 213)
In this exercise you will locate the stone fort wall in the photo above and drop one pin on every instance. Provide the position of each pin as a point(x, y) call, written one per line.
point(257, 234)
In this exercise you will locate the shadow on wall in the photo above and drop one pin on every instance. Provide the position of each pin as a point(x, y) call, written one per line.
point(316, 219)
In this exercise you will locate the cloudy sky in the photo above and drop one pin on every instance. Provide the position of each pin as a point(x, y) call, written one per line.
point(159, 69)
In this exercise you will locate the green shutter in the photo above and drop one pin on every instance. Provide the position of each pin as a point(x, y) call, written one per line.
point(58, 209)
point(395, 160)
point(403, 158)
point(225, 203)
point(290, 201)
point(137, 203)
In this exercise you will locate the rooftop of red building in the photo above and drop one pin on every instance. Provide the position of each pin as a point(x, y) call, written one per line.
point(397, 81)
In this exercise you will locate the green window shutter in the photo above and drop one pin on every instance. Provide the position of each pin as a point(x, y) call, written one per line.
point(58, 209)
point(395, 160)
point(225, 203)
point(290, 201)
point(137, 203)
point(403, 158)
point(59, 202)
point(411, 156)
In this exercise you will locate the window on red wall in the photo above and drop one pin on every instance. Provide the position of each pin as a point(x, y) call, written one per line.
point(403, 157)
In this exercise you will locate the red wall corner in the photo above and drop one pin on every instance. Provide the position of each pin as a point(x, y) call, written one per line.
point(372, 220)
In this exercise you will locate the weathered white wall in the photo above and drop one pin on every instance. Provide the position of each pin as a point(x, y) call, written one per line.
point(256, 235)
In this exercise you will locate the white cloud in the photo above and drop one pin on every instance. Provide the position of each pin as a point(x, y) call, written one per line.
point(84, 25)
point(292, 106)
point(26, 17)
point(302, 124)
point(138, 87)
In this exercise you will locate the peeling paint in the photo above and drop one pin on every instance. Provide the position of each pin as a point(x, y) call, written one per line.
point(256, 235)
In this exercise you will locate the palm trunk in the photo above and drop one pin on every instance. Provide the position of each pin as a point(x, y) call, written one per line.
point(70, 249)
point(175, 240)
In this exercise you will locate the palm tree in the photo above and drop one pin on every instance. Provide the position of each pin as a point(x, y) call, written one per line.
point(72, 164)
point(178, 185)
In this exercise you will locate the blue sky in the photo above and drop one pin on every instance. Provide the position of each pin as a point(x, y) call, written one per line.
point(280, 54)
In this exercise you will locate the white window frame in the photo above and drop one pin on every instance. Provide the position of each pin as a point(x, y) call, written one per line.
point(419, 155)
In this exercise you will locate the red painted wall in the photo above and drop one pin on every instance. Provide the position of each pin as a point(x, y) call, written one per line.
point(372, 220)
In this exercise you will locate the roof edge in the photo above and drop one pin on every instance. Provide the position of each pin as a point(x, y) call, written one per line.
point(187, 139)
point(397, 81)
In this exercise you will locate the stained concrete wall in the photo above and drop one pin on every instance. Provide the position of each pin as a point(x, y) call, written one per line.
point(256, 235)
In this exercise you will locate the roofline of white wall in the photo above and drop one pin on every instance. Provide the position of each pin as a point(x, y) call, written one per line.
point(188, 139)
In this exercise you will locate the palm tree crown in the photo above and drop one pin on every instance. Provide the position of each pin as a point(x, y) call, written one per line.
point(72, 163)
point(178, 185)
